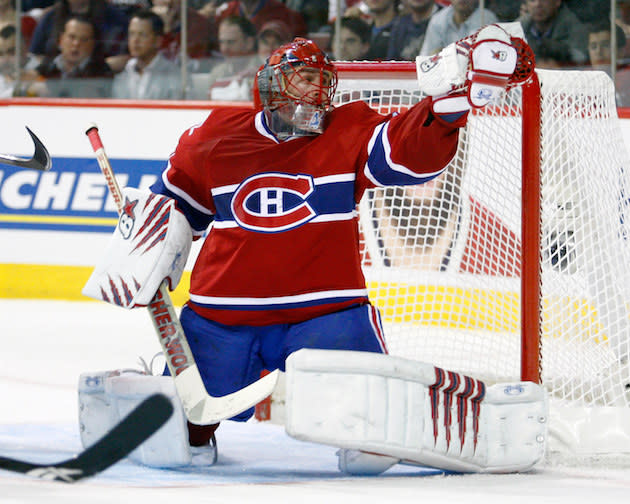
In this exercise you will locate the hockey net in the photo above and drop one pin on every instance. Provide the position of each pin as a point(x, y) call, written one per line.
point(515, 263)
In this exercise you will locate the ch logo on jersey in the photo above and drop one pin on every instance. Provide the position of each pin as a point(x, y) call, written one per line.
point(273, 202)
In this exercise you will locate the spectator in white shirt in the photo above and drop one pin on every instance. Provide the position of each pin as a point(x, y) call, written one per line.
point(232, 78)
point(460, 19)
point(148, 75)
point(8, 59)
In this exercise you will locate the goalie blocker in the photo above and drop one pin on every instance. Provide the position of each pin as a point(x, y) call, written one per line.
point(401, 410)
point(150, 244)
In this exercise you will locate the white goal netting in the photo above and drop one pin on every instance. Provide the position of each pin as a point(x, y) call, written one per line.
point(443, 261)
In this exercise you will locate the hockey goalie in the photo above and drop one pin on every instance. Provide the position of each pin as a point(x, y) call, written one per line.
point(278, 281)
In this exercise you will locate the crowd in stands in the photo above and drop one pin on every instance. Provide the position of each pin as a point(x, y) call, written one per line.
point(132, 49)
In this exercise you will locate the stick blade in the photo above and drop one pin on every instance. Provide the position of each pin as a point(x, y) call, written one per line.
point(130, 433)
point(207, 409)
point(40, 160)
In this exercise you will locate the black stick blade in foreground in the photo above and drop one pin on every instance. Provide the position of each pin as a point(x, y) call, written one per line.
point(130, 433)
point(39, 161)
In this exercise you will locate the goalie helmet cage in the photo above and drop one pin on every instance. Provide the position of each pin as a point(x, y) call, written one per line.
point(530, 275)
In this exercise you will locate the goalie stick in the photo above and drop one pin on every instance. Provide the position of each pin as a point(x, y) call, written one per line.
point(40, 160)
point(125, 437)
point(200, 407)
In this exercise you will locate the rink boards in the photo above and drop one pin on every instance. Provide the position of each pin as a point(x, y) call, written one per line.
point(53, 225)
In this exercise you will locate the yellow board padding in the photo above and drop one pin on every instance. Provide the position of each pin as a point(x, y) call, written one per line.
point(42, 281)
point(447, 306)
point(480, 308)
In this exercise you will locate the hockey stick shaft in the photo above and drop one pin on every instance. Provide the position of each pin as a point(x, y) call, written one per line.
point(40, 160)
point(200, 407)
point(125, 437)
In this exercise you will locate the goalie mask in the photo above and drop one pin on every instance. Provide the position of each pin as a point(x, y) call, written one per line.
point(295, 88)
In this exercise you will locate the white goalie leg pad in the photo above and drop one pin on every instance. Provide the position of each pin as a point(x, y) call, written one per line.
point(107, 397)
point(414, 412)
point(150, 244)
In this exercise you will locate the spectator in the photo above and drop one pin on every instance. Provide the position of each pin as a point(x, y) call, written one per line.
point(623, 20)
point(237, 37)
point(8, 54)
point(555, 34)
point(206, 8)
point(344, 5)
point(599, 43)
point(354, 39)
point(460, 19)
point(261, 11)
point(7, 60)
point(314, 12)
point(36, 6)
point(79, 70)
point(409, 29)
point(505, 10)
point(600, 57)
point(112, 25)
point(272, 35)
point(8, 16)
point(201, 36)
point(231, 78)
point(128, 7)
point(590, 11)
point(148, 74)
point(381, 16)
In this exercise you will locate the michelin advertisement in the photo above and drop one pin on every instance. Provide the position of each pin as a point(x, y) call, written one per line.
point(54, 225)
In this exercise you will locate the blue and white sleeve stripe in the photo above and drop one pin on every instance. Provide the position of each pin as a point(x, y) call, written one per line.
point(380, 168)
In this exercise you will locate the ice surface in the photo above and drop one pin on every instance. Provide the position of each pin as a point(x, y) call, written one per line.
point(46, 345)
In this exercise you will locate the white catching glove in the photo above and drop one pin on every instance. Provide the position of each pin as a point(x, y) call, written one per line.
point(474, 71)
point(150, 244)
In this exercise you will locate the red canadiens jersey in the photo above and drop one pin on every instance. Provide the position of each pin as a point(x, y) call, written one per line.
point(283, 246)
